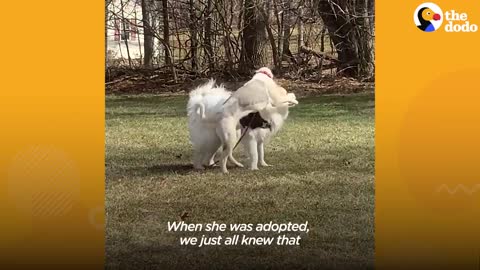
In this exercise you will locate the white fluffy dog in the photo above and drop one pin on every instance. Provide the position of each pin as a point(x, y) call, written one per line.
point(263, 126)
point(261, 93)
point(215, 115)
point(205, 108)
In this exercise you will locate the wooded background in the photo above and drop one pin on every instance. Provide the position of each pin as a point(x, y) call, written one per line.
point(205, 37)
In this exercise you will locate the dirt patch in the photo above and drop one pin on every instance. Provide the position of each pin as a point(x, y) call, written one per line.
point(141, 81)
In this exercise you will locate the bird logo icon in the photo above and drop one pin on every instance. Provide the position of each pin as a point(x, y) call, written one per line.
point(428, 17)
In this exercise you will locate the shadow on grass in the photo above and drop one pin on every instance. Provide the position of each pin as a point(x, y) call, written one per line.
point(356, 159)
point(170, 168)
point(235, 258)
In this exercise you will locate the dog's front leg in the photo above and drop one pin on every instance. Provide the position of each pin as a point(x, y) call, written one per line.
point(252, 152)
point(261, 154)
point(234, 161)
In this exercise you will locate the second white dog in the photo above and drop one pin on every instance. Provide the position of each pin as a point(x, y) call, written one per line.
point(264, 126)
point(206, 110)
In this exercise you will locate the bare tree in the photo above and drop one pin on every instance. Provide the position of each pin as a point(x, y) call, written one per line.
point(286, 25)
point(125, 33)
point(208, 36)
point(148, 39)
point(107, 7)
point(351, 34)
point(301, 30)
point(265, 12)
point(238, 36)
point(252, 35)
point(166, 33)
point(193, 35)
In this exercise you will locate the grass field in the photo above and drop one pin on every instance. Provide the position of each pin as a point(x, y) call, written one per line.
point(323, 173)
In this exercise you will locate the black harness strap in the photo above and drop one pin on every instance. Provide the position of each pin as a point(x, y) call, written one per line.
point(244, 132)
point(254, 120)
point(227, 99)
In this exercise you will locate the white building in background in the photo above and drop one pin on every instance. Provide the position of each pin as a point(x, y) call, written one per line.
point(124, 37)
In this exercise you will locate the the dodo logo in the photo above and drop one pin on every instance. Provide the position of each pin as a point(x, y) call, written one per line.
point(428, 17)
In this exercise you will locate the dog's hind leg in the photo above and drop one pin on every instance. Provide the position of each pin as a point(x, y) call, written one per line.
point(197, 160)
point(211, 162)
point(223, 159)
point(261, 154)
point(200, 154)
point(209, 158)
point(226, 131)
point(217, 154)
point(227, 154)
point(230, 156)
point(212, 144)
point(234, 161)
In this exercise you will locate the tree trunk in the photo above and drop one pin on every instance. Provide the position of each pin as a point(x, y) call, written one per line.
point(279, 20)
point(107, 3)
point(322, 50)
point(300, 42)
point(364, 36)
point(124, 33)
point(166, 33)
point(147, 34)
point(340, 30)
point(193, 36)
point(350, 24)
point(166, 40)
point(287, 25)
point(252, 34)
point(271, 37)
point(370, 7)
point(208, 37)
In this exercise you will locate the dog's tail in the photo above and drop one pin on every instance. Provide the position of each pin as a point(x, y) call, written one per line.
point(200, 110)
point(196, 106)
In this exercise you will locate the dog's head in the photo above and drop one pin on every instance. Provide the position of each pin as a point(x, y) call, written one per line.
point(281, 97)
point(292, 100)
point(266, 71)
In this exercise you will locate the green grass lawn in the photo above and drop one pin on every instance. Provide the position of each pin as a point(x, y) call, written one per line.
point(323, 173)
